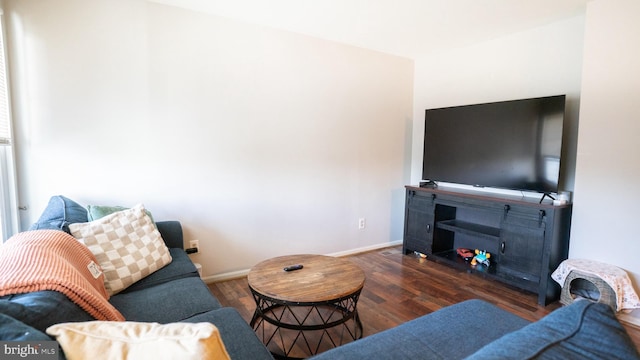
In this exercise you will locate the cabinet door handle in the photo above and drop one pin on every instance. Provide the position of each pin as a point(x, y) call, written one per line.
point(502, 246)
point(428, 228)
point(541, 215)
point(506, 210)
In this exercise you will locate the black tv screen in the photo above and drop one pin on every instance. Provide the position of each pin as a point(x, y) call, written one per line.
point(510, 144)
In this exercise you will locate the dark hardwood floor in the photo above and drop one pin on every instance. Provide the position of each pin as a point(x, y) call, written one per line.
point(400, 287)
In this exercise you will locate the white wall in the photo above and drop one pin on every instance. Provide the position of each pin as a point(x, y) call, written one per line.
point(261, 142)
point(540, 62)
point(605, 216)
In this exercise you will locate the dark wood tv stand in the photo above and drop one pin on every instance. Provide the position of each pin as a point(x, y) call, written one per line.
point(527, 240)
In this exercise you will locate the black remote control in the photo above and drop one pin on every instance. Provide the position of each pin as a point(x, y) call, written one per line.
point(293, 267)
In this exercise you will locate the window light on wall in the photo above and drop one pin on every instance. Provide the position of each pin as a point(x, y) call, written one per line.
point(8, 194)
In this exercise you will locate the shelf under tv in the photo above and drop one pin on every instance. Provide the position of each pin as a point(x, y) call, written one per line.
point(451, 257)
point(469, 228)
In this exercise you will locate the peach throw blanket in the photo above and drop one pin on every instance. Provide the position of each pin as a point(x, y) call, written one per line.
point(54, 260)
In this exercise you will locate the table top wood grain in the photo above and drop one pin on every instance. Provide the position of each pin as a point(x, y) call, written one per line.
point(322, 278)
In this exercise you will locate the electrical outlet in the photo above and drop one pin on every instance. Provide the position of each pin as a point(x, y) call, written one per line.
point(362, 223)
point(194, 244)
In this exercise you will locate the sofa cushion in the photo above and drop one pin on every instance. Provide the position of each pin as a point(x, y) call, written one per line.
point(14, 330)
point(453, 332)
point(42, 309)
point(127, 245)
point(59, 213)
point(171, 232)
point(166, 302)
point(180, 267)
point(135, 340)
point(239, 339)
point(582, 330)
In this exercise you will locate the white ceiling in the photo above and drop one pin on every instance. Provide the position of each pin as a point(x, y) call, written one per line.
point(408, 28)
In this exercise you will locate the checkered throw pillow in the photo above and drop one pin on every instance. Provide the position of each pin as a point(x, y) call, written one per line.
point(127, 245)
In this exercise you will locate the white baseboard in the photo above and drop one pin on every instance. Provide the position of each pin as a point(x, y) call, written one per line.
point(632, 317)
point(366, 248)
point(225, 276)
point(241, 273)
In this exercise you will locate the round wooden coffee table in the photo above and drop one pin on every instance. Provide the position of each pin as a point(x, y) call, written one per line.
point(303, 312)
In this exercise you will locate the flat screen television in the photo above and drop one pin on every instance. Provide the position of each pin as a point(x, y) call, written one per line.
point(513, 144)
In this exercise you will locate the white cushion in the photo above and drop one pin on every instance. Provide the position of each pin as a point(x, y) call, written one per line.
point(127, 245)
point(138, 340)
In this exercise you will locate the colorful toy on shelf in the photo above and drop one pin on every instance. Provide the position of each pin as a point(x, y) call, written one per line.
point(482, 257)
point(465, 253)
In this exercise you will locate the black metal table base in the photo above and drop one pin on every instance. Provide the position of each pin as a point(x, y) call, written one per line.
point(295, 330)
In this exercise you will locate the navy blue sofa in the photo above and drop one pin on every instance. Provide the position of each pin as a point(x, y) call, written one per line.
point(174, 293)
point(475, 330)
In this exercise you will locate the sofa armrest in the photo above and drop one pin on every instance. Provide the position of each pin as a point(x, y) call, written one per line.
point(171, 232)
point(582, 330)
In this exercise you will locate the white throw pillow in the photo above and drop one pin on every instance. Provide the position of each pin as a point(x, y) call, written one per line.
point(127, 244)
point(138, 340)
